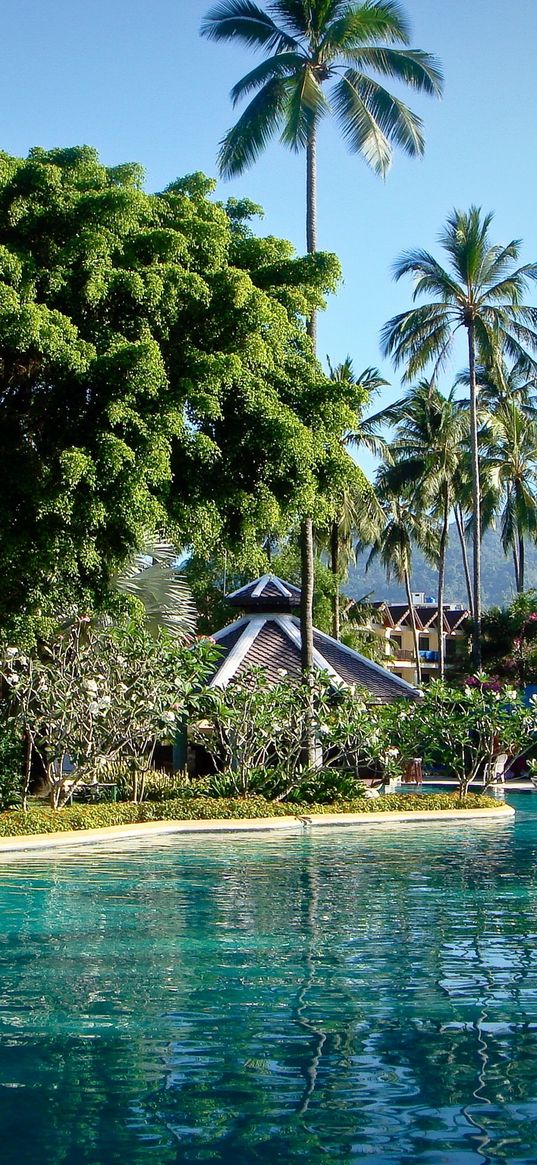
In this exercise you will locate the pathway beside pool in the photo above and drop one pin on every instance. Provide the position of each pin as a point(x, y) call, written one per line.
point(155, 829)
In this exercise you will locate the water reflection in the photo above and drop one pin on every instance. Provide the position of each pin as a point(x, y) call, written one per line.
point(307, 999)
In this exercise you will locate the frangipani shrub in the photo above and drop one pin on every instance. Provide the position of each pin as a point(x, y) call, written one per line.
point(258, 730)
point(96, 693)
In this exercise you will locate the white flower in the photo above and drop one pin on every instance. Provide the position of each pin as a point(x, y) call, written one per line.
point(12, 651)
point(91, 686)
point(93, 707)
point(169, 717)
point(282, 671)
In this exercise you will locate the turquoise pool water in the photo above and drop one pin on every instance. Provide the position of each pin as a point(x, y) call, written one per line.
point(339, 997)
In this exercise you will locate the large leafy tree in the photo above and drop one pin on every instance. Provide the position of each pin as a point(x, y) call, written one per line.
point(322, 57)
point(481, 291)
point(154, 374)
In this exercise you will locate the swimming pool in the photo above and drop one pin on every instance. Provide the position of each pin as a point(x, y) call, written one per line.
point(343, 996)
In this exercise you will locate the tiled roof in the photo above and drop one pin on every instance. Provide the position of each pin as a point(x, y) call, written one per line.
point(398, 615)
point(266, 593)
point(455, 618)
point(273, 643)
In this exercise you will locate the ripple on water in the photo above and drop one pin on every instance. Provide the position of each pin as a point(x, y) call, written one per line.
point(339, 996)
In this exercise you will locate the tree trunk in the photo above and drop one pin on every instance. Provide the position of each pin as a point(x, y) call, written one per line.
point(476, 505)
point(306, 603)
point(414, 628)
point(464, 554)
point(306, 637)
point(441, 577)
point(516, 569)
point(334, 567)
point(521, 563)
point(306, 530)
point(311, 217)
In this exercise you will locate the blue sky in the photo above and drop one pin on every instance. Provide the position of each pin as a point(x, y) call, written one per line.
point(135, 80)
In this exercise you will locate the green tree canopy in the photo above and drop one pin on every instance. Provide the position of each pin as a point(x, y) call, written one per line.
point(154, 373)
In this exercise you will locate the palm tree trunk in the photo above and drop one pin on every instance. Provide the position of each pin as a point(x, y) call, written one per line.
point(476, 505)
point(464, 555)
point(413, 625)
point(306, 637)
point(521, 563)
point(334, 567)
point(311, 217)
point(516, 569)
point(306, 530)
point(306, 603)
point(441, 578)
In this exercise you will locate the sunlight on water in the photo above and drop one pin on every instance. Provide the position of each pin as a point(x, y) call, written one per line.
point(339, 997)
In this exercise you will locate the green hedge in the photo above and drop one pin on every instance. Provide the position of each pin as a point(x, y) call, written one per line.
point(15, 823)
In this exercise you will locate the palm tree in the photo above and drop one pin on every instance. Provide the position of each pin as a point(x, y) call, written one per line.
point(390, 530)
point(312, 43)
point(346, 514)
point(426, 452)
point(481, 291)
point(511, 455)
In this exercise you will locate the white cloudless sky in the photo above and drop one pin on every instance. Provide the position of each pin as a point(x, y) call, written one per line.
point(135, 80)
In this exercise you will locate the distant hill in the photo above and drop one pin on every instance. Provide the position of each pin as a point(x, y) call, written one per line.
point(497, 575)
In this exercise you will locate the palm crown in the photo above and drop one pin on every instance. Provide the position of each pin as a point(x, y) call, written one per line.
point(312, 43)
point(480, 289)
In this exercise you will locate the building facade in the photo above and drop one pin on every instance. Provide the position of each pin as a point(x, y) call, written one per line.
point(393, 626)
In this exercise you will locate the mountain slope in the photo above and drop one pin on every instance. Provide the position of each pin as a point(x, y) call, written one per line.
point(497, 575)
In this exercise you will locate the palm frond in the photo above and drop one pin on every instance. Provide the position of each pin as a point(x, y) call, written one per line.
point(305, 105)
point(372, 121)
point(429, 276)
point(245, 22)
point(247, 139)
point(359, 127)
point(152, 578)
point(282, 65)
point(417, 69)
point(363, 24)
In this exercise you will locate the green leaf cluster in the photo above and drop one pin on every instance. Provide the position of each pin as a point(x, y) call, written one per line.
point(154, 373)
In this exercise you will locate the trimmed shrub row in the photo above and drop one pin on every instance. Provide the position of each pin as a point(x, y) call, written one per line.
point(15, 823)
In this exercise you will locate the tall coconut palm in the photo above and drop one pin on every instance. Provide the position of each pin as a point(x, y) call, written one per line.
point(480, 291)
point(312, 45)
point(426, 451)
point(511, 455)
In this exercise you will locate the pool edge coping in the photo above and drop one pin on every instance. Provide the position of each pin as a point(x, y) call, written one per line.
point(64, 839)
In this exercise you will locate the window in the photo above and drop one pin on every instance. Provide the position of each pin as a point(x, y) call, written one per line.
point(424, 642)
point(396, 641)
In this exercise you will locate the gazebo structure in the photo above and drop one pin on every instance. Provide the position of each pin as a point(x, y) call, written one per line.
point(267, 635)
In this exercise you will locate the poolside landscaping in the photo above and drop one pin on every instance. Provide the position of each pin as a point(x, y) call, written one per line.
point(17, 823)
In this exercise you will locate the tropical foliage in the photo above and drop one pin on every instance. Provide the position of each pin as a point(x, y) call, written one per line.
point(155, 374)
point(481, 291)
point(99, 692)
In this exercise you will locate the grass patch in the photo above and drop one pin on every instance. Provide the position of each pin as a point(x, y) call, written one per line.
point(16, 823)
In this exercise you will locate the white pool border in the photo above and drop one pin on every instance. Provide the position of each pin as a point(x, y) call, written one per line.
point(69, 839)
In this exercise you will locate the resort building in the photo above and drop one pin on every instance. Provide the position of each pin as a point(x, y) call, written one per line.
point(393, 626)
